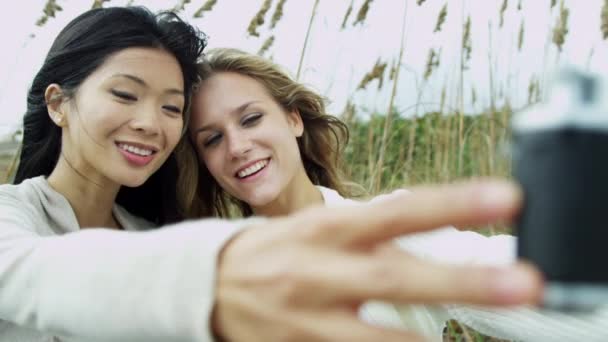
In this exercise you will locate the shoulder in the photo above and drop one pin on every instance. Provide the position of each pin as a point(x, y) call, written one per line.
point(21, 204)
point(332, 198)
point(26, 193)
point(390, 195)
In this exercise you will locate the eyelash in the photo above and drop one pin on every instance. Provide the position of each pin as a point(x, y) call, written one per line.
point(173, 109)
point(251, 119)
point(212, 141)
point(247, 122)
point(129, 97)
point(123, 95)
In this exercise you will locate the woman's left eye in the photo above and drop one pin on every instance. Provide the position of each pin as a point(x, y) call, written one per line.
point(251, 119)
point(173, 109)
point(123, 95)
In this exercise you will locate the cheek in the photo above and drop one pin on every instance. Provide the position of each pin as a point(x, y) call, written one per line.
point(212, 160)
point(96, 123)
point(290, 144)
point(173, 132)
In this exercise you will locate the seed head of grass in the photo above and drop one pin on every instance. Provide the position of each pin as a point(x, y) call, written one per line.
point(520, 37)
point(604, 19)
point(362, 14)
point(503, 9)
point(467, 47)
point(561, 27)
point(441, 18)
point(393, 72)
point(442, 99)
point(267, 44)
point(349, 112)
point(531, 86)
point(258, 19)
point(98, 3)
point(207, 7)
point(432, 62)
point(180, 6)
point(42, 20)
point(49, 10)
point(473, 95)
point(347, 15)
point(377, 73)
point(278, 13)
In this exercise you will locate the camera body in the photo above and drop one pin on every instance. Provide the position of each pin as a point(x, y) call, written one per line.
point(560, 157)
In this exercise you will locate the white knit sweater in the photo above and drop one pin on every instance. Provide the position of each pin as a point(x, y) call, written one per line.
point(100, 284)
point(158, 285)
point(453, 246)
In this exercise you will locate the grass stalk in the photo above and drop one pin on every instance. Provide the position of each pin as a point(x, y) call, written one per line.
point(312, 18)
point(389, 112)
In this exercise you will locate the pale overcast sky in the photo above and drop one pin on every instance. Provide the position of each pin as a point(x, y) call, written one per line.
point(336, 60)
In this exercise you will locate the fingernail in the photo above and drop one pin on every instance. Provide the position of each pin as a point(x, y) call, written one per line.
point(514, 284)
point(497, 195)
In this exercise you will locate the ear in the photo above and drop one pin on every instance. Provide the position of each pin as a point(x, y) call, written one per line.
point(295, 121)
point(53, 97)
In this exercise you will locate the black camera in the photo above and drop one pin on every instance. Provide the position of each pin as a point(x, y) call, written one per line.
point(560, 157)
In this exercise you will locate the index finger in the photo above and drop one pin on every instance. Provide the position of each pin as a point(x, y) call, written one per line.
point(424, 209)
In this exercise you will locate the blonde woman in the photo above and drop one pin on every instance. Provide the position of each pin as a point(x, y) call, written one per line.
point(266, 144)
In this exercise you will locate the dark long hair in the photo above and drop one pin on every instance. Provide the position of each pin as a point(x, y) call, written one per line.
point(79, 49)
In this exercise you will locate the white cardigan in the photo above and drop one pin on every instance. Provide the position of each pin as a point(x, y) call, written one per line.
point(158, 285)
point(453, 246)
point(100, 284)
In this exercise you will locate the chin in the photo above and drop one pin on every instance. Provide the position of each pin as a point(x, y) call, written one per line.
point(260, 200)
point(132, 182)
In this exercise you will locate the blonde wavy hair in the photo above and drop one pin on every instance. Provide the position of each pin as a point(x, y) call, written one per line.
point(321, 145)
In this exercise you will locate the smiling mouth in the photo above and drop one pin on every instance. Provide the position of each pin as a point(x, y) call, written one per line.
point(253, 169)
point(142, 152)
point(138, 156)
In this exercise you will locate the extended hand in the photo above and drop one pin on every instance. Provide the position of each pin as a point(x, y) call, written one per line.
point(303, 277)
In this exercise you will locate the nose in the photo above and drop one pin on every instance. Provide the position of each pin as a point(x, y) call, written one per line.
point(238, 144)
point(146, 120)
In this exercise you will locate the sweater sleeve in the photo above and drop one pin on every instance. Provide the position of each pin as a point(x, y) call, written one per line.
point(519, 323)
point(100, 284)
point(449, 245)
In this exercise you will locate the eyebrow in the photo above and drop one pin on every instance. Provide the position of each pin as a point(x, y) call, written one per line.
point(144, 84)
point(238, 110)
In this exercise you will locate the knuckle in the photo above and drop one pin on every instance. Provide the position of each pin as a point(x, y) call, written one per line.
point(313, 229)
point(289, 284)
point(386, 279)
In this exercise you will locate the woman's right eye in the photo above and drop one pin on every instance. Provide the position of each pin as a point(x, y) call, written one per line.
point(212, 140)
point(123, 95)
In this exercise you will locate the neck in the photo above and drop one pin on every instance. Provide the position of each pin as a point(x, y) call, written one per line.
point(91, 200)
point(299, 194)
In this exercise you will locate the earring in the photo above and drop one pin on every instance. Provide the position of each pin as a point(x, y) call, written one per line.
point(58, 118)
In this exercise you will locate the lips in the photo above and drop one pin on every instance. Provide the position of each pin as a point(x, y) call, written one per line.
point(252, 168)
point(137, 154)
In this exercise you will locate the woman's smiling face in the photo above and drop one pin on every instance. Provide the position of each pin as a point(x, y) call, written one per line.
point(125, 118)
point(245, 138)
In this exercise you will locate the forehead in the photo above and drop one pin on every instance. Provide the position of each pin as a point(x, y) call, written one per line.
point(155, 66)
point(226, 91)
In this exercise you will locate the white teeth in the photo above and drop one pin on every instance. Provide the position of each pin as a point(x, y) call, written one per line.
point(135, 150)
point(253, 168)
